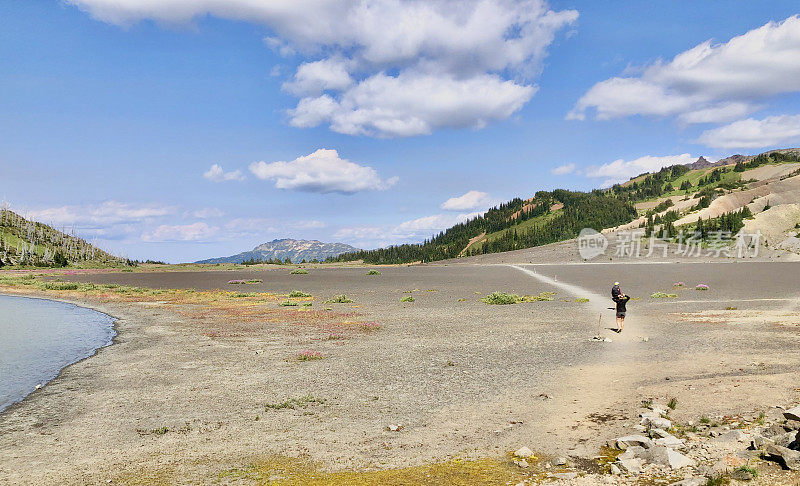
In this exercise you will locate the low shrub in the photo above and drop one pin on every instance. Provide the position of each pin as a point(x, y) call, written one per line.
point(299, 271)
point(298, 293)
point(500, 298)
point(701, 287)
point(663, 295)
point(373, 272)
point(581, 300)
point(543, 296)
point(289, 303)
point(340, 299)
point(370, 326)
point(294, 403)
point(407, 298)
point(60, 286)
point(308, 355)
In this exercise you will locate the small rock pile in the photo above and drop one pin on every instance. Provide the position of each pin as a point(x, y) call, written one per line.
point(689, 454)
point(708, 450)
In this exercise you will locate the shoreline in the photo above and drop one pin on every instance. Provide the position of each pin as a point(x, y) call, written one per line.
point(61, 371)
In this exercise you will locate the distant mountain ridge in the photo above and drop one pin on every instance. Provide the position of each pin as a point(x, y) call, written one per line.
point(281, 249)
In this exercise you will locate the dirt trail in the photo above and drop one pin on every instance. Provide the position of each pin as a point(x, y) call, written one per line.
point(597, 303)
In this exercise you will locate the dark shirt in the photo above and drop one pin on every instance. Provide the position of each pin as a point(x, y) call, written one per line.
point(621, 302)
point(615, 291)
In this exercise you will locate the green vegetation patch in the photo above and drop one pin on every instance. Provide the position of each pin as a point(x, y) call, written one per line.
point(407, 298)
point(340, 299)
point(373, 272)
point(663, 295)
point(303, 471)
point(298, 293)
point(299, 271)
point(502, 298)
point(295, 403)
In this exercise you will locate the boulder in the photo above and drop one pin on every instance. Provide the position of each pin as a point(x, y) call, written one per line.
point(787, 440)
point(792, 414)
point(623, 443)
point(665, 456)
point(773, 431)
point(659, 423)
point(671, 441)
point(691, 482)
point(659, 433)
point(759, 442)
point(792, 425)
point(784, 456)
point(523, 452)
point(633, 466)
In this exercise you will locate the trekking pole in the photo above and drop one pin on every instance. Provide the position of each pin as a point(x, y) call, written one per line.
point(598, 323)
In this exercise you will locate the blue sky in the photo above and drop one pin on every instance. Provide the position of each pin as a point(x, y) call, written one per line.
point(173, 131)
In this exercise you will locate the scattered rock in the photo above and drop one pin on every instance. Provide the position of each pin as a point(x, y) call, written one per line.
point(615, 470)
point(565, 475)
point(784, 456)
point(521, 463)
point(395, 427)
point(792, 425)
point(742, 475)
point(732, 436)
point(725, 466)
point(792, 414)
point(560, 461)
point(523, 452)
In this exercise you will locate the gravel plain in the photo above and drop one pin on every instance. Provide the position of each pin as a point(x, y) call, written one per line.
point(183, 396)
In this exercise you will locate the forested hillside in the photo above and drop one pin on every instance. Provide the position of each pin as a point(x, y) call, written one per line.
point(29, 243)
point(559, 215)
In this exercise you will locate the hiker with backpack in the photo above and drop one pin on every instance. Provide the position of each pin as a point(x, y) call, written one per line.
point(621, 301)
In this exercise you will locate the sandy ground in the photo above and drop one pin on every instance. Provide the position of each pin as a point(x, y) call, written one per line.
point(463, 378)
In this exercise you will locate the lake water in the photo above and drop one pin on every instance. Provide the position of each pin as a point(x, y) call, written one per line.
point(40, 337)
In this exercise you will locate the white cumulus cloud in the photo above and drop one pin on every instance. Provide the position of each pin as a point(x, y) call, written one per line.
point(469, 201)
point(622, 170)
point(749, 133)
point(187, 232)
point(414, 103)
point(563, 169)
point(105, 213)
point(387, 68)
point(216, 174)
point(322, 171)
point(710, 83)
